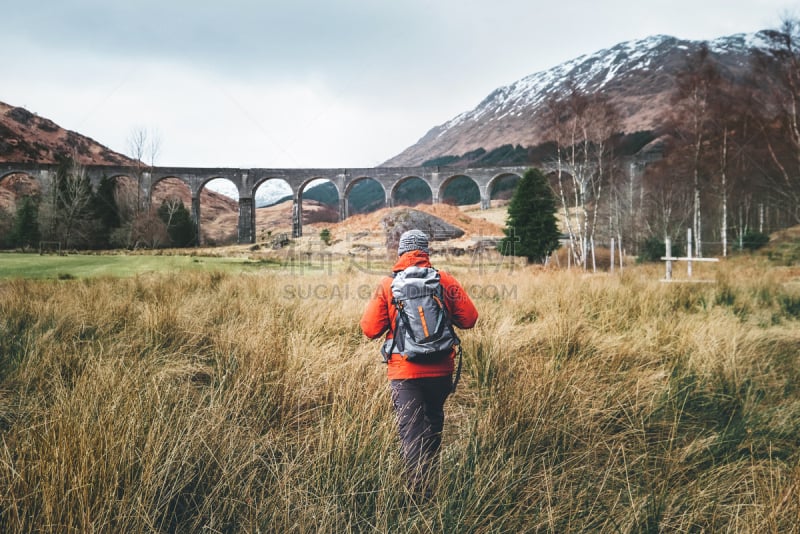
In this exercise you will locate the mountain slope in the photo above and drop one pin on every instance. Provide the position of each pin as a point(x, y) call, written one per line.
point(638, 77)
point(28, 138)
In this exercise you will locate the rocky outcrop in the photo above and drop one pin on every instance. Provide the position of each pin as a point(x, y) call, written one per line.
point(400, 220)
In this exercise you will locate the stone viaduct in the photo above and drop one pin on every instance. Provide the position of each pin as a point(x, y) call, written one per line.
point(247, 182)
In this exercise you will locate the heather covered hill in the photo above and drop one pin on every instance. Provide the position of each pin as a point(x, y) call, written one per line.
point(28, 138)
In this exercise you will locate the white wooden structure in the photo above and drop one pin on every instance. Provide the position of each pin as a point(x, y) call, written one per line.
point(688, 258)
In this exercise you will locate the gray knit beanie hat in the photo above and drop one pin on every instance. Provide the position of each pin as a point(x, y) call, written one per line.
point(413, 240)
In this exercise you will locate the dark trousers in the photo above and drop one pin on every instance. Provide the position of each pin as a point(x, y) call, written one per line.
point(419, 407)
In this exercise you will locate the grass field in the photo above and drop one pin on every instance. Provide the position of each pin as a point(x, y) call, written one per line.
point(249, 401)
point(35, 266)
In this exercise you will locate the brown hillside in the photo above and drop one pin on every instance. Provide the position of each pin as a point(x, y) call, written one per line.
point(275, 220)
point(364, 233)
point(27, 138)
point(468, 218)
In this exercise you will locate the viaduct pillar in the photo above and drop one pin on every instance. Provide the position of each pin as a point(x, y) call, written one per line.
point(46, 181)
point(196, 218)
point(247, 221)
point(145, 188)
point(486, 201)
point(297, 216)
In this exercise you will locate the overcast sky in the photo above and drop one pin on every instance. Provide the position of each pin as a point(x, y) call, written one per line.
point(309, 83)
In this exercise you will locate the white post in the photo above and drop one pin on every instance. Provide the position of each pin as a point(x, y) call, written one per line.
point(620, 255)
point(689, 259)
point(668, 243)
point(612, 255)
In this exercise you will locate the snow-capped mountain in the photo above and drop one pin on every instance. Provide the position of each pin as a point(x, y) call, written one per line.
point(637, 75)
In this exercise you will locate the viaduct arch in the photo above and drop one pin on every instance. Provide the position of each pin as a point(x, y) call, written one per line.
point(247, 182)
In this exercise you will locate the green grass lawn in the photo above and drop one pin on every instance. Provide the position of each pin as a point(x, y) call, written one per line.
point(19, 265)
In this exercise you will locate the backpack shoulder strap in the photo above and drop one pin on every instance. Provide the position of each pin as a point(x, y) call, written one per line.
point(392, 327)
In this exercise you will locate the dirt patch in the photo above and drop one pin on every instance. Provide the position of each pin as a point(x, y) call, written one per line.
point(470, 219)
point(365, 234)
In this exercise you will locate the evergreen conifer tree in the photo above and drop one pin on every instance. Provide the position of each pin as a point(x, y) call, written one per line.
point(106, 210)
point(26, 224)
point(531, 227)
point(105, 206)
point(182, 232)
point(6, 227)
point(180, 226)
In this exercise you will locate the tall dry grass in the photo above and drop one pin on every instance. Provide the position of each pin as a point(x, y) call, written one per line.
point(211, 402)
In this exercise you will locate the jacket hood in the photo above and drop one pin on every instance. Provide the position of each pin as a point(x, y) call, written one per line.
point(415, 257)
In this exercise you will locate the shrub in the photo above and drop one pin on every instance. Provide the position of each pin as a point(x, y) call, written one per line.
point(754, 240)
point(652, 249)
point(325, 236)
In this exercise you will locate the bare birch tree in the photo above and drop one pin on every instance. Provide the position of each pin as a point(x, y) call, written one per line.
point(169, 207)
point(75, 201)
point(783, 141)
point(144, 146)
point(567, 185)
point(667, 200)
point(581, 126)
point(695, 87)
point(66, 215)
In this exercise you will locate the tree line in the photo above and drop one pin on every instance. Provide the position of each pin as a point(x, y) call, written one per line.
point(726, 164)
point(74, 215)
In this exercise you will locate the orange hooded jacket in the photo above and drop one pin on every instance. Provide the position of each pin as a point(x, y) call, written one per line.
point(380, 316)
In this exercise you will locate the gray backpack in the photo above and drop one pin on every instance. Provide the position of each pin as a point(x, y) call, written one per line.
point(423, 331)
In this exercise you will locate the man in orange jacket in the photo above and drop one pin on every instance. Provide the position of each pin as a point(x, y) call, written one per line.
point(419, 390)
